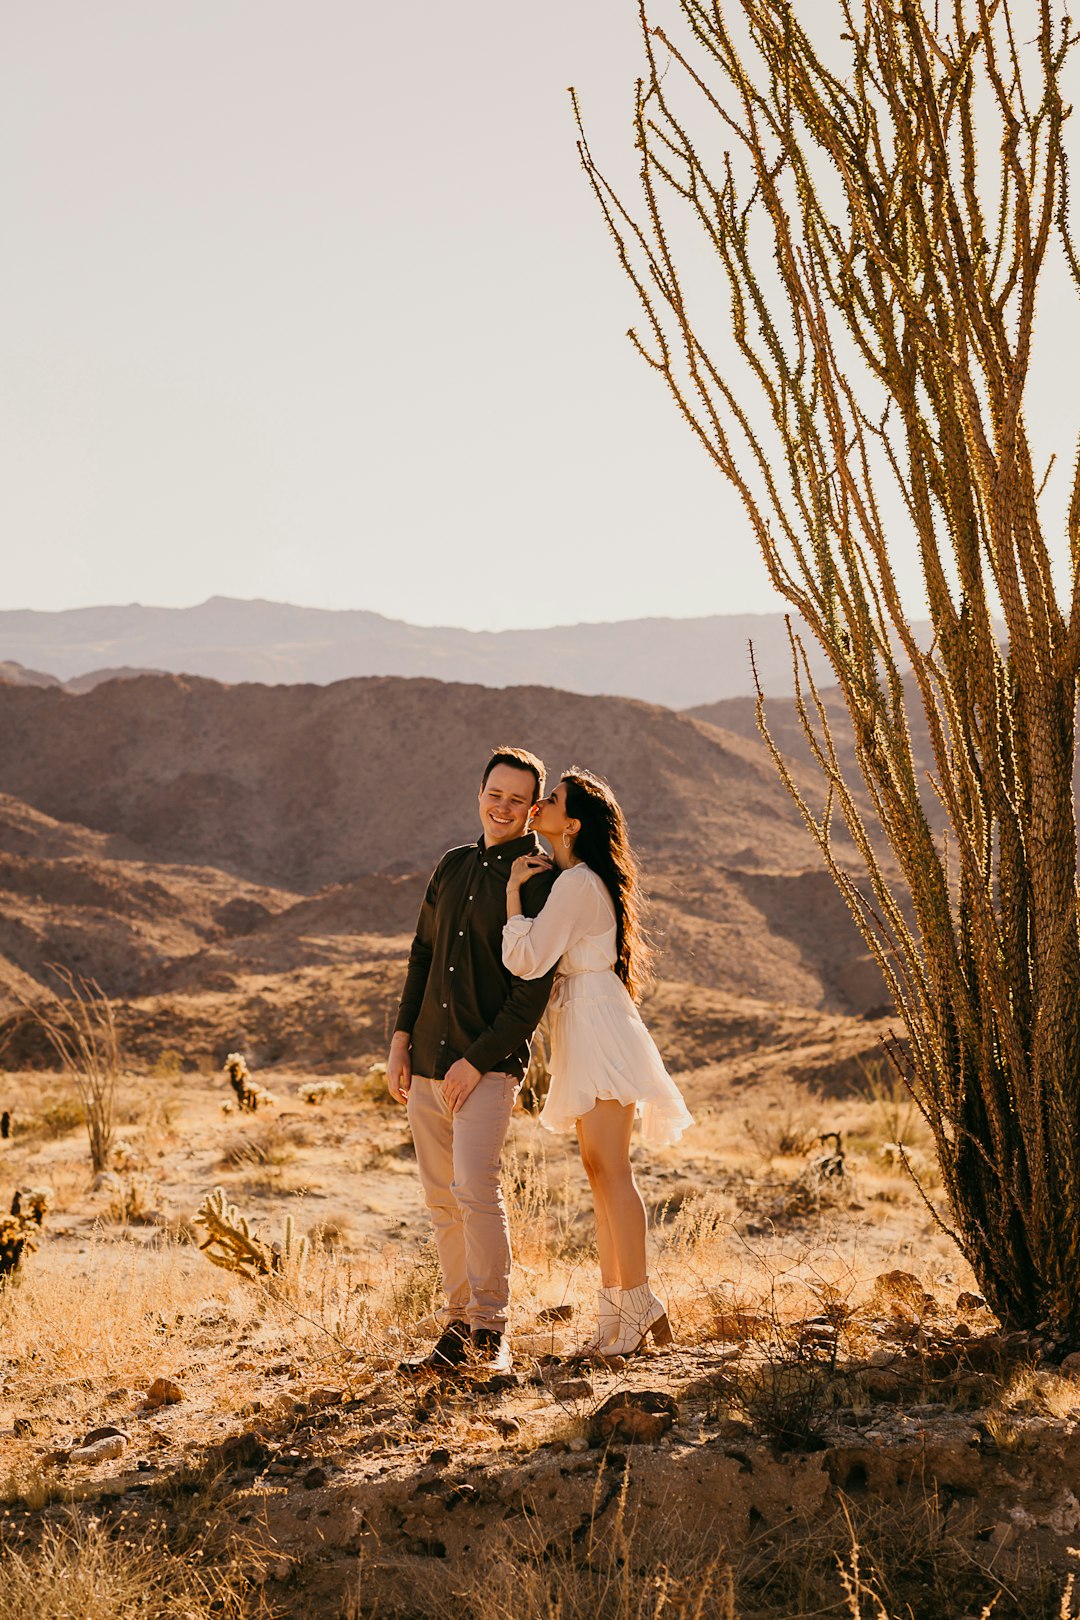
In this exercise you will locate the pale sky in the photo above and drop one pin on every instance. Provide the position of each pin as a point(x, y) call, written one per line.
point(311, 302)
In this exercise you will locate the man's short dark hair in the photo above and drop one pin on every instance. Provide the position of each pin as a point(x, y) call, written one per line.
point(519, 759)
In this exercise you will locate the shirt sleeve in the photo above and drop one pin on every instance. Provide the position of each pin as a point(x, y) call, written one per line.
point(532, 946)
point(525, 1001)
point(416, 974)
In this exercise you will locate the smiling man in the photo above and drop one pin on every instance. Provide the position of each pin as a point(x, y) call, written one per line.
point(459, 1054)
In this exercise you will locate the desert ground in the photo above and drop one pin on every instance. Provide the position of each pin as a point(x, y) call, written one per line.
point(841, 1426)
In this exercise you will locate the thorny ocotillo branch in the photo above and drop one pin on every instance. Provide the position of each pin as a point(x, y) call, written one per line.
point(878, 194)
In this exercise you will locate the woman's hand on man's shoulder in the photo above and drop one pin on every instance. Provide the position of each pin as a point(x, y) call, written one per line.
point(526, 867)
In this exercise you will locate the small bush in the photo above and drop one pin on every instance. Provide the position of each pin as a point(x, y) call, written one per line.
point(81, 1572)
point(133, 1204)
point(80, 1026)
point(416, 1285)
point(895, 1114)
point(60, 1118)
point(168, 1065)
point(371, 1087)
point(785, 1399)
point(611, 1568)
point(784, 1128)
point(269, 1145)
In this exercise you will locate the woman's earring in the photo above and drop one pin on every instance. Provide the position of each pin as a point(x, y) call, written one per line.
point(567, 841)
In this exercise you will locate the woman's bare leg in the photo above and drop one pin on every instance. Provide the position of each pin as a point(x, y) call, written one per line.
point(605, 1248)
point(604, 1136)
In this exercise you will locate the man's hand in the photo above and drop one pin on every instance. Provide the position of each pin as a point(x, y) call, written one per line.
point(399, 1067)
point(462, 1079)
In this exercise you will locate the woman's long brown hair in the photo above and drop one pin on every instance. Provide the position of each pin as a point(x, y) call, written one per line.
point(604, 844)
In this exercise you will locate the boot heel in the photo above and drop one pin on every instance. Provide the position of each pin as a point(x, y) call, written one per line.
point(661, 1331)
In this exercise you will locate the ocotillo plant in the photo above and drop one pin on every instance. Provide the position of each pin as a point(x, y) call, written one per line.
point(845, 213)
point(81, 1029)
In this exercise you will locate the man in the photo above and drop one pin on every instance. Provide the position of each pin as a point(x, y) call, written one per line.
point(459, 1055)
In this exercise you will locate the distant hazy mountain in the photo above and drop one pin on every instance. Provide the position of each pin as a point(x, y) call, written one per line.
point(677, 662)
point(17, 675)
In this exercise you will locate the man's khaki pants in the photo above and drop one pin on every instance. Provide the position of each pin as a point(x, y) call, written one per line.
point(458, 1159)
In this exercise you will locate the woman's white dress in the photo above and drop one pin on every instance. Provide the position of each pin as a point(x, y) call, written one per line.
point(600, 1049)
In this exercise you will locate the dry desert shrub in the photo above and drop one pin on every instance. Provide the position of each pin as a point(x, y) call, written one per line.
point(168, 1065)
point(133, 1203)
point(80, 1026)
point(119, 1315)
point(727, 1285)
point(371, 1087)
point(58, 1118)
point(263, 1144)
point(887, 1560)
point(356, 1312)
point(613, 1568)
point(413, 1288)
point(541, 1212)
point(333, 1232)
point(785, 1125)
point(81, 1572)
point(894, 1113)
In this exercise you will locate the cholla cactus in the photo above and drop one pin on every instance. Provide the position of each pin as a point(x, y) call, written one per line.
point(17, 1229)
point(233, 1243)
point(320, 1090)
point(249, 1095)
point(32, 1203)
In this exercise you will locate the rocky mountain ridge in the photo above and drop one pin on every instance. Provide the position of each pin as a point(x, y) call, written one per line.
point(172, 831)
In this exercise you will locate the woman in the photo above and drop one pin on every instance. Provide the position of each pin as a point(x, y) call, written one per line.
point(605, 1069)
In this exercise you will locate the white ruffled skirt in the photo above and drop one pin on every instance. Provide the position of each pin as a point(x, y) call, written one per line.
point(601, 1052)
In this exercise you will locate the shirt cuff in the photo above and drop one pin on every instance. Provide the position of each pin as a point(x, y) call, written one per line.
point(518, 925)
point(484, 1055)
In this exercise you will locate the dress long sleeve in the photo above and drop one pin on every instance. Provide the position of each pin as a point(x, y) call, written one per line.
point(532, 946)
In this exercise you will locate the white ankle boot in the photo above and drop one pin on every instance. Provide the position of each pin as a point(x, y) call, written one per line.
point(640, 1313)
point(607, 1323)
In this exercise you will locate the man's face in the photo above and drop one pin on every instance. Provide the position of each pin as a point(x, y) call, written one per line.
point(505, 801)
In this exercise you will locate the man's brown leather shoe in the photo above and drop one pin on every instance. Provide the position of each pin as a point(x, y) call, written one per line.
point(448, 1353)
point(490, 1352)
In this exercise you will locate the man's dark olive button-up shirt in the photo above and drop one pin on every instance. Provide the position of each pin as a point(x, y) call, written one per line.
point(459, 1000)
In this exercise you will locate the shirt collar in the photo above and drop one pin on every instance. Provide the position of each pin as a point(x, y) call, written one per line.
point(529, 844)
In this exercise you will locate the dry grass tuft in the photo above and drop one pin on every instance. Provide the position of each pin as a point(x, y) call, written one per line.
point(81, 1572)
point(613, 1568)
point(265, 1144)
point(371, 1087)
point(118, 1316)
point(886, 1561)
